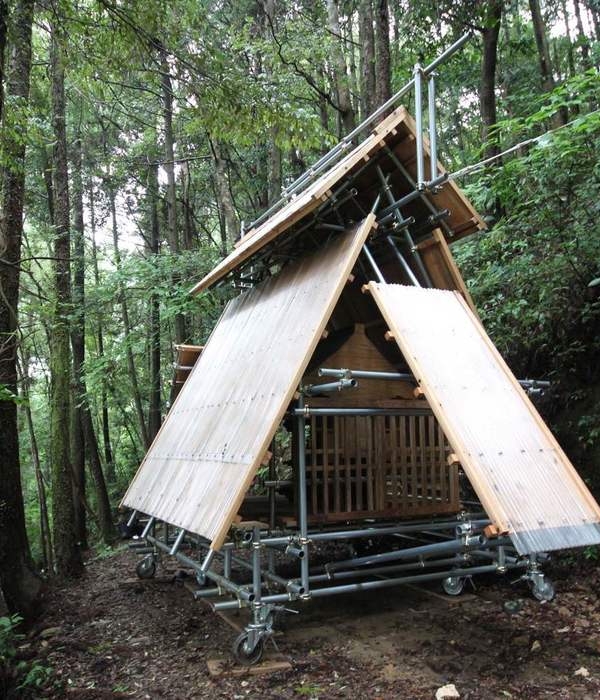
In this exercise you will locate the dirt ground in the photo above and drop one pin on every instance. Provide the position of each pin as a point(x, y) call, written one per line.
point(151, 640)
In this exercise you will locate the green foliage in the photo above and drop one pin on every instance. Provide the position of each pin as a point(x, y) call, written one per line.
point(18, 678)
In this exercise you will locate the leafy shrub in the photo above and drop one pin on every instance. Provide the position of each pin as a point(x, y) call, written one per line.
point(18, 678)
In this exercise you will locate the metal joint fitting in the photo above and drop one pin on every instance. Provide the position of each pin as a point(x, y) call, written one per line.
point(464, 528)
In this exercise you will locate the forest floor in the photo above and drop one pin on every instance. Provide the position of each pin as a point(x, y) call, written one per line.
point(107, 636)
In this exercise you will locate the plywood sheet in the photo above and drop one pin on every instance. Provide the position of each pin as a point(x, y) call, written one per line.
point(524, 480)
point(206, 454)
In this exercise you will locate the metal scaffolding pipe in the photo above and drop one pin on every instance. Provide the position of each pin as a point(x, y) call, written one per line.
point(426, 550)
point(385, 583)
point(432, 126)
point(365, 374)
point(376, 531)
point(302, 497)
point(373, 264)
point(343, 383)
point(149, 525)
point(407, 176)
point(309, 411)
point(418, 75)
point(383, 570)
point(403, 264)
point(177, 543)
point(192, 564)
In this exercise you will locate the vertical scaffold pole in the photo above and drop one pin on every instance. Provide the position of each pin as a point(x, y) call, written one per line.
point(256, 572)
point(418, 76)
point(432, 127)
point(302, 497)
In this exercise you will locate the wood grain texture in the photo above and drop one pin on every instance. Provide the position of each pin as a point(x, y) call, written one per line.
point(525, 481)
point(206, 454)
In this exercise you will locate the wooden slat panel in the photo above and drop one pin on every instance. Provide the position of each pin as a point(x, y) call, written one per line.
point(382, 485)
point(525, 481)
point(207, 452)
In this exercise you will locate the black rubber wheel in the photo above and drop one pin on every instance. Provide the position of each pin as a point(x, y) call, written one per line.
point(242, 656)
point(146, 568)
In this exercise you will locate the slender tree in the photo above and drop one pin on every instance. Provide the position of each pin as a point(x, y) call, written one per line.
point(67, 553)
point(19, 583)
point(78, 346)
point(127, 328)
point(3, 37)
point(108, 456)
point(153, 248)
point(367, 56)
point(382, 53)
point(83, 422)
point(45, 535)
point(570, 55)
point(344, 99)
point(583, 40)
point(487, 91)
point(545, 64)
point(230, 226)
point(169, 166)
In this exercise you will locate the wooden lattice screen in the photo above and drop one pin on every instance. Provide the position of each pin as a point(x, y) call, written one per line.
point(378, 466)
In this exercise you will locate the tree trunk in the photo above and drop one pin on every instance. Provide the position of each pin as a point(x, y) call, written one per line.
point(224, 195)
point(3, 36)
point(570, 56)
point(594, 8)
point(382, 53)
point(367, 56)
point(583, 40)
point(541, 41)
point(274, 169)
point(109, 463)
point(67, 554)
point(487, 92)
point(353, 79)
point(188, 213)
point(153, 247)
point(539, 31)
point(135, 387)
point(274, 152)
point(18, 581)
point(169, 166)
point(344, 100)
point(78, 345)
point(87, 438)
point(45, 536)
point(104, 519)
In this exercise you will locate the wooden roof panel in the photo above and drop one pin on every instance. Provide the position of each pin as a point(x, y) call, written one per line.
point(526, 483)
point(396, 132)
point(215, 436)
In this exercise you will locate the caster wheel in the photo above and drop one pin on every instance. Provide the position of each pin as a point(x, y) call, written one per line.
point(146, 568)
point(453, 585)
point(242, 655)
point(544, 591)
